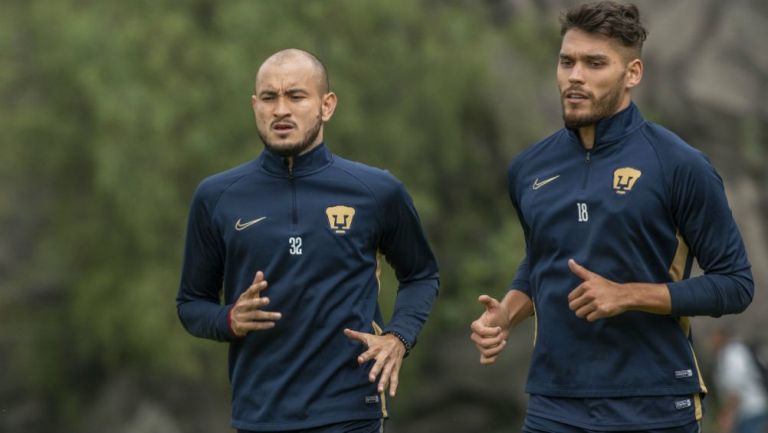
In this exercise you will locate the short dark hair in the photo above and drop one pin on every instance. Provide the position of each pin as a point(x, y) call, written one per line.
point(615, 20)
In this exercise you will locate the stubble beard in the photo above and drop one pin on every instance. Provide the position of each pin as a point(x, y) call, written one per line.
point(294, 149)
point(602, 108)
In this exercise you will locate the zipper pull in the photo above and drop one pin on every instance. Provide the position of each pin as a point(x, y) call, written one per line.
point(587, 157)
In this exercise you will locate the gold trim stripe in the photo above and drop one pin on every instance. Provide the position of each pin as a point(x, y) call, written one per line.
point(535, 324)
point(377, 329)
point(677, 269)
point(698, 406)
point(382, 395)
point(379, 257)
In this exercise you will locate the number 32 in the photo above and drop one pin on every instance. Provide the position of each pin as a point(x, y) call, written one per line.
point(295, 245)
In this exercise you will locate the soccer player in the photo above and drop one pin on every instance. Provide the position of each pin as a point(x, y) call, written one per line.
point(290, 240)
point(614, 209)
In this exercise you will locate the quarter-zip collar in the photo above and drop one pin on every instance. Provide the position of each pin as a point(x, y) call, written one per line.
point(612, 129)
point(308, 163)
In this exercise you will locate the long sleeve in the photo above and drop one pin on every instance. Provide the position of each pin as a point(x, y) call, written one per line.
point(198, 301)
point(704, 219)
point(405, 247)
point(521, 280)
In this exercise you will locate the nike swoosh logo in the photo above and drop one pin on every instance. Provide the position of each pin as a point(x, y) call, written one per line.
point(537, 184)
point(242, 226)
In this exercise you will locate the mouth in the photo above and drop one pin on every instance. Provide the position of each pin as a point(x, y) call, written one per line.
point(575, 96)
point(283, 127)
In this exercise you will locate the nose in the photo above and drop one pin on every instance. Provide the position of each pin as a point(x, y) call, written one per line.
point(281, 107)
point(575, 75)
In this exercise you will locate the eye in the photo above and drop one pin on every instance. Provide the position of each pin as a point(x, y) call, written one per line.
point(566, 63)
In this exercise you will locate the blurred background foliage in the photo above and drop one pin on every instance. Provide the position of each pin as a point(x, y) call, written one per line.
point(112, 112)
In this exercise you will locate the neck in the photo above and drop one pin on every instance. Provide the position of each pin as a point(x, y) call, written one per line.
point(311, 146)
point(289, 162)
point(587, 135)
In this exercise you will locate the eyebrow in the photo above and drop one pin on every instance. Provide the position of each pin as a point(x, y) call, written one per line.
point(291, 91)
point(592, 57)
point(294, 91)
point(587, 57)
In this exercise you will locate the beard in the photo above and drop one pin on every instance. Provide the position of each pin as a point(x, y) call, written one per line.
point(602, 108)
point(296, 148)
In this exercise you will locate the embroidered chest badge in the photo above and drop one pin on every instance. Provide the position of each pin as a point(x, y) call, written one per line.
point(624, 179)
point(340, 218)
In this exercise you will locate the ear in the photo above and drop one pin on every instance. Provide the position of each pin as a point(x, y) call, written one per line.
point(634, 73)
point(329, 106)
point(253, 102)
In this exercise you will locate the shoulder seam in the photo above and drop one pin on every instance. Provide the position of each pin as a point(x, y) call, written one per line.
point(523, 154)
point(223, 190)
point(659, 159)
point(367, 187)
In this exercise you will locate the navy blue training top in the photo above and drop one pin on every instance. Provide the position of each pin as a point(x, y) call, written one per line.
point(638, 207)
point(315, 232)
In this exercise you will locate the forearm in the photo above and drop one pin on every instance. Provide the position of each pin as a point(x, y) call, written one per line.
point(712, 294)
point(412, 306)
point(648, 297)
point(205, 319)
point(518, 305)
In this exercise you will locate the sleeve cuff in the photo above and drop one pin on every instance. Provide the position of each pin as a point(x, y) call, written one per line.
point(229, 322)
point(521, 286)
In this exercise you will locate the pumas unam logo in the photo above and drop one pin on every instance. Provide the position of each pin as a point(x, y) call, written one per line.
point(340, 218)
point(624, 179)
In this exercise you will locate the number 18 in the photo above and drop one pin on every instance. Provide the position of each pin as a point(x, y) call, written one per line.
point(582, 212)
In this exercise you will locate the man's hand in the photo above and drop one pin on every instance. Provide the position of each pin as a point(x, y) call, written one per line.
point(247, 314)
point(596, 297)
point(388, 351)
point(491, 329)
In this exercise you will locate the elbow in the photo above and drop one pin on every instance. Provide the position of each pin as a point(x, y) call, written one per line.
point(180, 314)
point(747, 293)
point(743, 293)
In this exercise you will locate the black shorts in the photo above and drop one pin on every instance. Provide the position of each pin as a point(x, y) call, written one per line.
point(360, 426)
point(540, 425)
